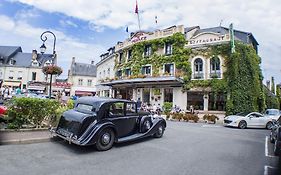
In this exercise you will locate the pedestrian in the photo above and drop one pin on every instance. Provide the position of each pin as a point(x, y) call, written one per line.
point(138, 103)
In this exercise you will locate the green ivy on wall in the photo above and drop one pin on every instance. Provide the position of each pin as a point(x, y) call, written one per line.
point(242, 81)
point(179, 56)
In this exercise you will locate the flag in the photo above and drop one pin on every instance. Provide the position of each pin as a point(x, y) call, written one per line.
point(156, 20)
point(136, 9)
point(127, 29)
point(231, 33)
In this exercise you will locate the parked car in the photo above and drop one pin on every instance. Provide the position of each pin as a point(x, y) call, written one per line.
point(275, 136)
point(248, 120)
point(272, 113)
point(3, 110)
point(105, 121)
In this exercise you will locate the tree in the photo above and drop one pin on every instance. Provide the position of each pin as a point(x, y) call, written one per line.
point(51, 70)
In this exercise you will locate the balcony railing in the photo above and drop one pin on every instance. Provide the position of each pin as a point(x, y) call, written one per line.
point(215, 75)
point(198, 75)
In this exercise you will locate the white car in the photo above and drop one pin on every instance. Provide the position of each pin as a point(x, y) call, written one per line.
point(248, 120)
point(272, 113)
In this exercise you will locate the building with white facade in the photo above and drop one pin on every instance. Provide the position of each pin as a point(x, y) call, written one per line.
point(154, 76)
point(19, 69)
point(82, 78)
point(106, 72)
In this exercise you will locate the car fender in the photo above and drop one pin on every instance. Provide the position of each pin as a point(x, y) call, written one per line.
point(91, 135)
point(156, 123)
point(143, 118)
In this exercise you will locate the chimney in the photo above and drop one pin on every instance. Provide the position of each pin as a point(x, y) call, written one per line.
point(92, 62)
point(73, 60)
point(268, 84)
point(34, 55)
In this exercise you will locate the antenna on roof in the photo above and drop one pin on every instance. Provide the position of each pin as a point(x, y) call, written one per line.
point(221, 22)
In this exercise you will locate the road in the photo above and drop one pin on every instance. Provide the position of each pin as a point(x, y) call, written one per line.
point(185, 149)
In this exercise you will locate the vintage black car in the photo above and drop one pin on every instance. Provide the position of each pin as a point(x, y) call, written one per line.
point(105, 121)
point(275, 136)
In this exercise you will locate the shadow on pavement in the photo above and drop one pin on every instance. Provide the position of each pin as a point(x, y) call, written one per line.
point(87, 149)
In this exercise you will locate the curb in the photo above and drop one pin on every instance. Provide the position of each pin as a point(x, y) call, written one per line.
point(25, 141)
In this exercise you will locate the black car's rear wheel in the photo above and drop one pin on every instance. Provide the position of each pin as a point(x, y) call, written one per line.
point(276, 150)
point(160, 131)
point(105, 140)
point(271, 137)
point(242, 124)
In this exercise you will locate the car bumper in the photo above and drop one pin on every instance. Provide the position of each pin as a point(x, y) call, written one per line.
point(70, 138)
point(231, 124)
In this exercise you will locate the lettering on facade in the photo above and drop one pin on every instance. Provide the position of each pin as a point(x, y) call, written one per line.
point(208, 40)
point(138, 37)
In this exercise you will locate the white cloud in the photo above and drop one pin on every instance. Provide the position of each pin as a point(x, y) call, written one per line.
point(22, 34)
point(27, 14)
point(262, 17)
point(65, 23)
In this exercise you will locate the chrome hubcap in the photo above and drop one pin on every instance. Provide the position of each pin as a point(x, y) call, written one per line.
point(147, 125)
point(160, 130)
point(105, 138)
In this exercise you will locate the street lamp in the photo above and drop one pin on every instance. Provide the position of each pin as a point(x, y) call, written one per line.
point(43, 49)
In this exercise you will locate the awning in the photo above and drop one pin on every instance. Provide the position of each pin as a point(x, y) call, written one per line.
point(150, 81)
point(39, 88)
point(84, 93)
point(11, 83)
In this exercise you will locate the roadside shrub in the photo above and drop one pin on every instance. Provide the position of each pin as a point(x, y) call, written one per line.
point(211, 118)
point(32, 111)
point(185, 117)
point(193, 117)
point(168, 115)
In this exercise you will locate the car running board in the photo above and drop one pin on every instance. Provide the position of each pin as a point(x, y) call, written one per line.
point(131, 137)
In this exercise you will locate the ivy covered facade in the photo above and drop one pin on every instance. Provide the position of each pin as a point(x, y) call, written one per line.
point(189, 67)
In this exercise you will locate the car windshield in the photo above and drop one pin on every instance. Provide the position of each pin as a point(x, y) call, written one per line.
point(272, 112)
point(243, 113)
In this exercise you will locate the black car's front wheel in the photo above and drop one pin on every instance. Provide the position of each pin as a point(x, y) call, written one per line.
point(146, 125)
point(105, 140)
point(160, 131)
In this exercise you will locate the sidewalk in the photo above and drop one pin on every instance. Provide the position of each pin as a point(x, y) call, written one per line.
point(23, 137)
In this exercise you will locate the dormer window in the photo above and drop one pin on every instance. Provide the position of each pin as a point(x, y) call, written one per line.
point(47, 63)
point(12, 61)
point(34, 63)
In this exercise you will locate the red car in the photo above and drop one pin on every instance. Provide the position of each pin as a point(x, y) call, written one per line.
point(3, 110)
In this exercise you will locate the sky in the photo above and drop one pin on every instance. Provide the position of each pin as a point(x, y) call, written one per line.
point(85, 29)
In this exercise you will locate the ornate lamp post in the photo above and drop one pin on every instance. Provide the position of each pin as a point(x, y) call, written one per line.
point(50, 69)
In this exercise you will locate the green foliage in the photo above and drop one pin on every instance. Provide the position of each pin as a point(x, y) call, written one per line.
point(271, 100)
point(52, 69)
point(244, 80)
point(167, 107)
point(179, 56)
point(30, 111)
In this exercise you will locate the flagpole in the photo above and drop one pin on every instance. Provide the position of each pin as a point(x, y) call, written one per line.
point(139, 22)
point(137, 12)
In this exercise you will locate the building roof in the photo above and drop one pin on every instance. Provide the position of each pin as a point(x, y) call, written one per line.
point(83, 69)
point(21, 59)
point(7, 52)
